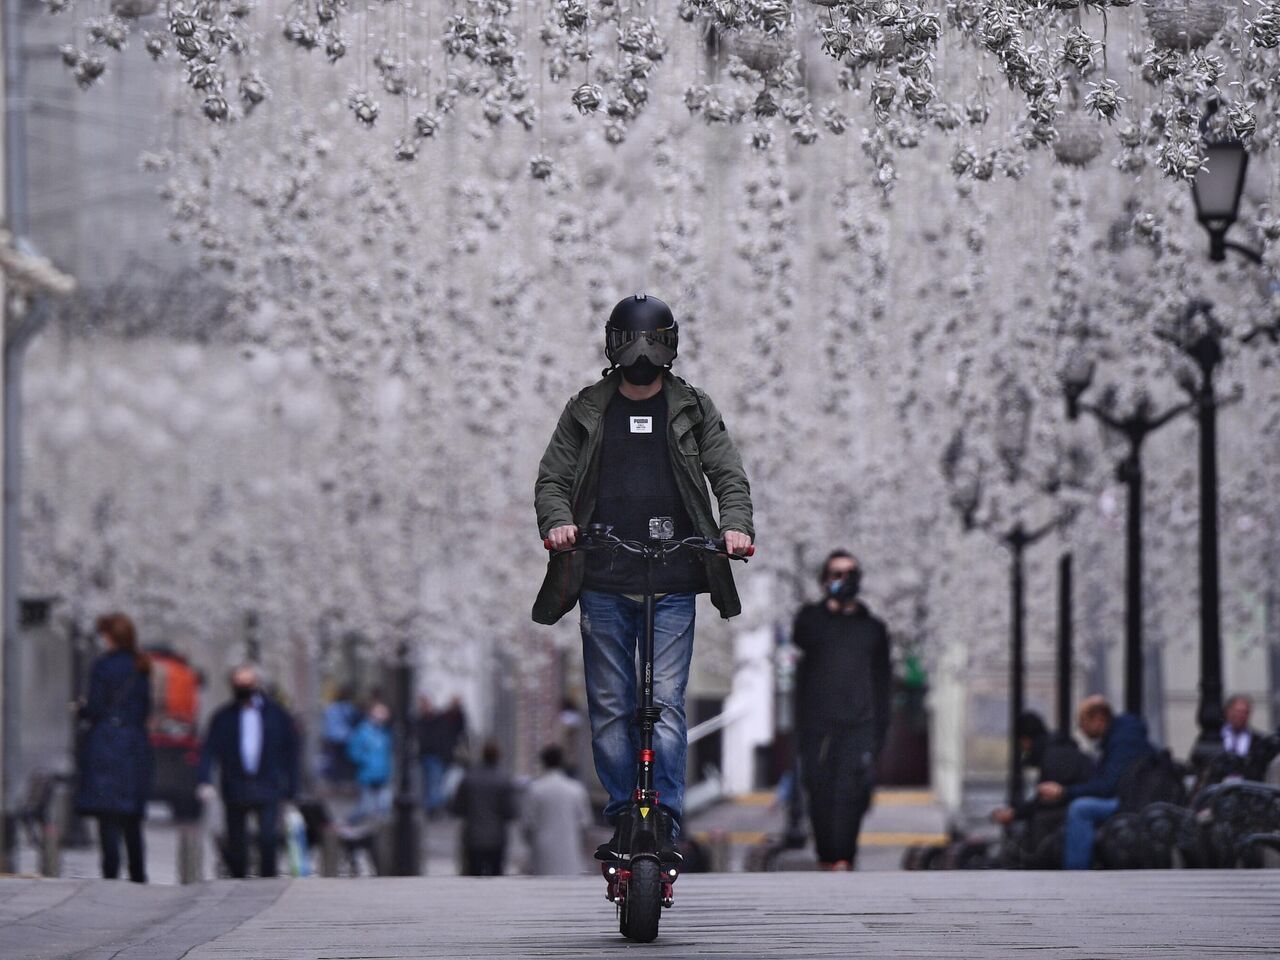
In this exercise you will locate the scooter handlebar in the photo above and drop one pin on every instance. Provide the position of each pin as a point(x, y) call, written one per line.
point(719, 545)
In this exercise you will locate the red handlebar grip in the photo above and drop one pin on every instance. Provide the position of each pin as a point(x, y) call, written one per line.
point(546, 543)
point(751, 550)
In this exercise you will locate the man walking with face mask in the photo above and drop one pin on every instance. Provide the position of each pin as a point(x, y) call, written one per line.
point(253, 743)
point(843, 688)
point(639, 445)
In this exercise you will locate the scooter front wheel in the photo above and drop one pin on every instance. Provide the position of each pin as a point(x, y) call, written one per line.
point(643, 906)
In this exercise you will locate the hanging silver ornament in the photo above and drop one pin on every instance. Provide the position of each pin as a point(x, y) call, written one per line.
point(1242, 120)
point(215, 107)
point(620, 108)
point(883, 91)
point(1180, 159)
point(615, 132)
point(764, 105)
point(240, 9)
point(962, 160)
point(636, 92)
point(586, 98)
point(253, 90)
point(299, 32)
point(55, 7)
point(1104, 100)
point(1079, 139)
point(492, 110)
point(526, 115)
point(203, 75)
point(1013, 165)
point(1183, 24)
point(924, 29)
point(794, 109)
point(426, 124)
point(1264, 29)
point(326, 11)
point(108, 31)
point(834, 119)
point(985, 166)
point(977, 112)
point(406, 149)
point(364, 107)
point(573, 14)
point(1130, 135)
point(1130, 162)
point(189, 48)
point(182, 24)
point(762, 52)
point(805, 132)
point(761, 138)
point(335, 48)
point(156, 44)
point(1078, 49)
point(70, 53)
point(132, 9)
point(88, 69)
point(695, 97)
point(540, 167)
point(1160, 64)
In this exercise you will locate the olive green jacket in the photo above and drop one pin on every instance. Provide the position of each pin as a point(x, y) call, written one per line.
point(701, 450)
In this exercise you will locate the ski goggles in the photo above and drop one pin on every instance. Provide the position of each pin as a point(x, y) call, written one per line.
point(625, 347)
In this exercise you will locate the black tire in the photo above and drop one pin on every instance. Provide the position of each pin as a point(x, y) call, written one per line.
point(643, 906)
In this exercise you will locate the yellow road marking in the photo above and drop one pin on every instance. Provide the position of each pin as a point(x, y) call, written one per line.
point(871, 839)
point(885, 798)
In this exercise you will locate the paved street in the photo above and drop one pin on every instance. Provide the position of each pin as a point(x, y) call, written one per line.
point(898, 818)
point(1191, 914)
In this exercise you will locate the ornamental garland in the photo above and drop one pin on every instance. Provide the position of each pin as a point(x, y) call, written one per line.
point(1132, 81)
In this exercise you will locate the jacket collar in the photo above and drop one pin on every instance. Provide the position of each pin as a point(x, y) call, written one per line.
point(591, 401)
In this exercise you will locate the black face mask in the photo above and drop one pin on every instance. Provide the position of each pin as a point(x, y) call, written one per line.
point(844, 589)
point(243, 694)
point(641, 373)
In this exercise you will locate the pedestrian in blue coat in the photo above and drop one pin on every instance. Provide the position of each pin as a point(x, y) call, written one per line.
point(115, 759)
point(253, 742)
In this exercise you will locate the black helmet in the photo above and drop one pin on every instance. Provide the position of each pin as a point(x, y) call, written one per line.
point(641, 326)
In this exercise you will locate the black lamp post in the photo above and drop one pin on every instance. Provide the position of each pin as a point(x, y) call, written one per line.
point(406, 859)
point(1135, 428)
point(1017, 540)
point(966, 496)
point(1066, 655)
point(1217, 189)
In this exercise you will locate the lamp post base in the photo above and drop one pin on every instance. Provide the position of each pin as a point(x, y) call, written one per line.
point(406, 860)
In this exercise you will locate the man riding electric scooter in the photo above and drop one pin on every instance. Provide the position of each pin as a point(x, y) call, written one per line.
point(633, 453)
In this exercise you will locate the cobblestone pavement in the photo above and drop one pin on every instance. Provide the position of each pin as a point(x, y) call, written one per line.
point(1173, 914)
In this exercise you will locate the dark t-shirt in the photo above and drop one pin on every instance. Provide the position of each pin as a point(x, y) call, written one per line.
point(636, 482)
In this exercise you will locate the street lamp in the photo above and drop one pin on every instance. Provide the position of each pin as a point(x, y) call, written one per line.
point(1017, 540)
point(1077, 377)
point(1217, 189)
point(1135, 427)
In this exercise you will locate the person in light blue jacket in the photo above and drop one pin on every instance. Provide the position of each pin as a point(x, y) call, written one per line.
point(369, 748)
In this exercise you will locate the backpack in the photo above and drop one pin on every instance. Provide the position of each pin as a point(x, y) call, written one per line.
point(1156, 778)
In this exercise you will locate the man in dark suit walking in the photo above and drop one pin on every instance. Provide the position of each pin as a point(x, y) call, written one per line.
point(255, 745)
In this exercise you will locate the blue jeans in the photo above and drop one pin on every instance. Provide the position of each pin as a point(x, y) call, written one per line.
point(433, 769)
point(375, 802)
point(1083, 816)
point(612, 626)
